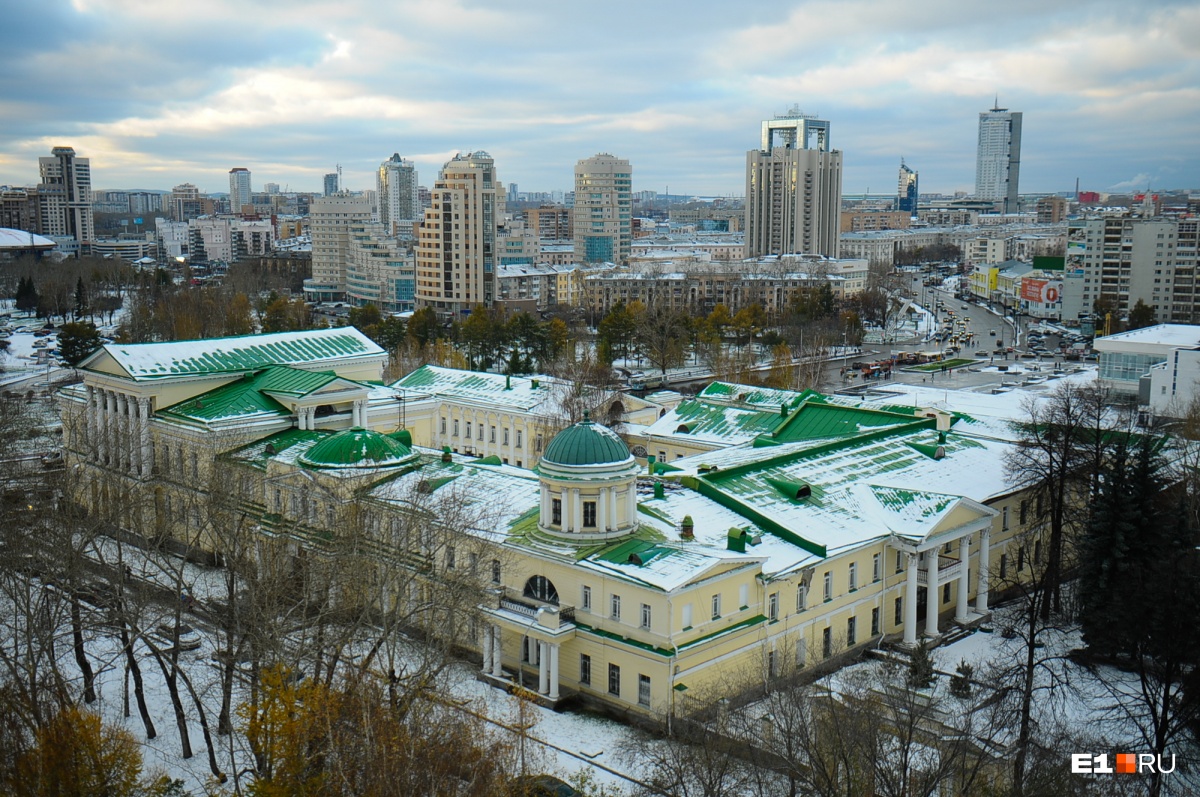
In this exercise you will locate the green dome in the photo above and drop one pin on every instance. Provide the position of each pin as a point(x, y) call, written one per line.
point(586, 443)
point(356, 448)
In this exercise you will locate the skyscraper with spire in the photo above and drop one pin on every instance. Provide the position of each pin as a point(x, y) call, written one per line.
point(998, 157)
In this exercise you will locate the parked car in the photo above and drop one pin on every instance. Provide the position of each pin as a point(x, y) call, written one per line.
point(992, 332)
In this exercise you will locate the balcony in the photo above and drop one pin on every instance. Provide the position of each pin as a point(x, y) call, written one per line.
point(511, 601)
point(949, 568)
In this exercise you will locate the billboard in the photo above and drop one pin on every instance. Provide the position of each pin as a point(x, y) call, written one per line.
point(1049, 263)
point(1041, 291)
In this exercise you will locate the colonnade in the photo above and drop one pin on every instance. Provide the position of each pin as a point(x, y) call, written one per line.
point(608, 515)
point(547, 660)
point(118, 430)
point(933, 599)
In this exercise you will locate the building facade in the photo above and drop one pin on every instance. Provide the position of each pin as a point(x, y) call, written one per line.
point(239, 190)
point(65, 198)
point(457, 242)
point(396, 192)
point(329, 221)
point(908, 191)
point(998, 157)
point(793, 192)
point(603, 573)
point(603, 211)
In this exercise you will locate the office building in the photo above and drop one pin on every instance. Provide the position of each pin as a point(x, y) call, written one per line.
point(603, 209)
point(998, 158)
point(329, 222)
point(396, 194)
point(331, 183)
point(239, 189)
point(907, 190)
point(65, 199)
point(793, 189)
point(457, 240)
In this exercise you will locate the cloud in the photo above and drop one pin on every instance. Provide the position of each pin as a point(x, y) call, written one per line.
point(163, 93)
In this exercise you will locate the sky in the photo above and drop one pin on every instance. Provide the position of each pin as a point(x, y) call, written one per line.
point(160, 93)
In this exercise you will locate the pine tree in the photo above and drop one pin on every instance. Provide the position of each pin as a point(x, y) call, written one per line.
point(960, 682)
point(920, 667)
point(82, 306)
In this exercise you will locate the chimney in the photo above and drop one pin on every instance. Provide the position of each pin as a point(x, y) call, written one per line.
point(687, 528)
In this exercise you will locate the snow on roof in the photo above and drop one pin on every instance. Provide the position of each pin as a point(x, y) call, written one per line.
point(1160, 334)
point(147, 361)
point(19, 239)
point(525, 393)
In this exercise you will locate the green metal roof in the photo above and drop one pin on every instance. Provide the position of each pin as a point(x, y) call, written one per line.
point(586, 443)
point(248, 396)
point(247, 352)
point(356, 448)
point(815, 421)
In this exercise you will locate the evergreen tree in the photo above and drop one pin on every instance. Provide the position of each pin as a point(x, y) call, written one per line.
point(27, 295)
point(82, 305)
point(920, 667)
point(77, 340)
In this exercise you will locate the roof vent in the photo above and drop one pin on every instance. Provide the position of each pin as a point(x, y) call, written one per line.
point(933, 452)
point(634, 559)
point(270, 449)
point(736, 540)
point(446, 454)
point(199, 404)
point(682, 429)
point(687, 528)
point(792, 489)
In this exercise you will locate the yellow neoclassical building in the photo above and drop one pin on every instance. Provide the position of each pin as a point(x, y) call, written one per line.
point(829, 524)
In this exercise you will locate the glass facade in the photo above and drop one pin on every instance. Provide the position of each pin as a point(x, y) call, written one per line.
point(1122, 367)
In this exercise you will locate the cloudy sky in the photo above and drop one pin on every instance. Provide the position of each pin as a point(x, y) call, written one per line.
point(158, 93)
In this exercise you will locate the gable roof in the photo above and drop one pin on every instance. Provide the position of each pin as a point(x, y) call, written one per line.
point(254, 395)
point(151, 361)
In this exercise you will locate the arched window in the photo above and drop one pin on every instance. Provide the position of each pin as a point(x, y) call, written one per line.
point(542, 589)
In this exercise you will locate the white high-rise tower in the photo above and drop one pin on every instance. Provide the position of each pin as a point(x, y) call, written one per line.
point(239, 189)
point(603, 209)
point(396, 193)
point(998, 159)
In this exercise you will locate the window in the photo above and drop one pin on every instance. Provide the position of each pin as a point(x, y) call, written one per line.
point(875, 621)
point(585, 669)
point(899, 561)
point(899, 618)
point(1004, 520)
point(585, 598)
point(456, 427)
point(945, 593)
point(556, 511)
point(876, 568)
point(771, 664)
point(827, 643)
point(851, 630)
point(687, 615)
point(801, 651)
point(744, 596)
point(716, 607)
point(828, 586)
point(615, 607)
point(801, 598)
point(519, 433)
point(505, 437)
point(491, 434)
point(1024, 510)
point(1021, 559)
point(495, 571)
point(614, 680)
point(645, 615)
point(468, 430)
point(539, 442)
point(643, 690)
point(1037, 552)
point(853, 576)
point(479, 433)
point(589, 512)
point(773, 606)
point(1003, 565)
point(450, 558)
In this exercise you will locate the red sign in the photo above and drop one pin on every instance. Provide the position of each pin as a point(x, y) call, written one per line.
point(1041, 291)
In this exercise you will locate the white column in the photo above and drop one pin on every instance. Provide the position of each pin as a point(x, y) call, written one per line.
point(578, 510)
point(147, 453)
point(543, 668)
point(910, 600)
point(614, 518)
point(105, 444)
point(568, 512)
point(602, 510)
point(123, 445)
point(486, 649)
point(631, 496)
point(553, 672)
point(981, 591)
point(354, 414)
point(545, 511)
point(932, 598)
point(89, 420)
point(497, 652)
point(964, 558)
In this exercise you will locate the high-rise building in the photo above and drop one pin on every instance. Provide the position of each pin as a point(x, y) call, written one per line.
point(271, 188)
point(329, 222)
point(793, 189)
point(65, 197)
point(239, 189)
point(603, 215)
point(396, 194)
point(1125, 259)
point(998, 158)
point(907, 190)
point(331, 184)
point(456, 243)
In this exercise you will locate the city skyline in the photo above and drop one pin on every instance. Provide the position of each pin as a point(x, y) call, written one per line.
point(173, 94)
